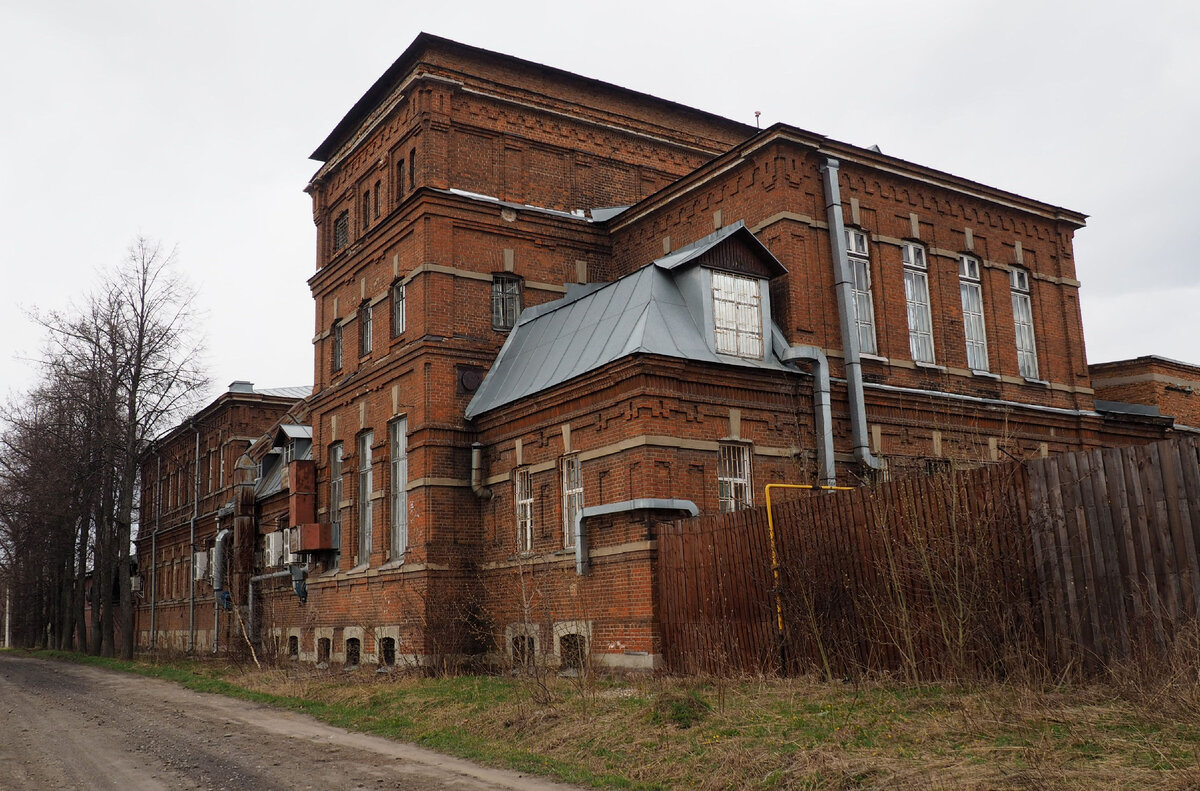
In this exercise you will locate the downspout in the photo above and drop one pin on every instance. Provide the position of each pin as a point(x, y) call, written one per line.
point(154, 547)
point(846, 313)
point(192, 544)
point(481, 491)
point(581, 550)
point(822, 414)
point(218, 561)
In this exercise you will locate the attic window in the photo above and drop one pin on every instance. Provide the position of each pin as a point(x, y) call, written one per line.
point(737, 315)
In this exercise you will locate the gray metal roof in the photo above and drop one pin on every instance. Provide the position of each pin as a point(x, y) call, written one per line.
point(272, 480)
point(644, 312)
point(293, 431)
point(297, 393)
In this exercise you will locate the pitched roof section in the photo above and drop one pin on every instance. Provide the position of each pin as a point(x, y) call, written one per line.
point(642, 313)
point(742, 253)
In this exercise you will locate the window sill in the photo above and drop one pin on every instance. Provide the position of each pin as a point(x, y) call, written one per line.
point(361, 568)
point(391, 565)
point(874, 358)
point(1041, 382)
point(985, 374)
point(930, 366)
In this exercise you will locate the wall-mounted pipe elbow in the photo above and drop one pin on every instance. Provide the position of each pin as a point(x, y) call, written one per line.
point(220, 549)
point(665, 504)
point(822, 414)
point(481, 491)
point(844, 281)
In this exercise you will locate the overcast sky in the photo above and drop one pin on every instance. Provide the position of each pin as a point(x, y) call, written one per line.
point(192, 123)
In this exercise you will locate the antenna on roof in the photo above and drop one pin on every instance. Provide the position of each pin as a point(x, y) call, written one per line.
point(757, 113)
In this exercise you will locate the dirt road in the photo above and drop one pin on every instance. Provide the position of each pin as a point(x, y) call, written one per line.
point(65, 726)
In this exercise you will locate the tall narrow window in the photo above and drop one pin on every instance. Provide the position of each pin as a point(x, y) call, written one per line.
point(506, 301)
point(1023, 319)
point(737, 315)
point(572, 494)
point(366, 209)
point(916, 295)
point(970, 286)
point(400, 183)
point(864, 303)
point(365, 481)
point(398, 454)
point(335, 355)
point(335, 494)
point(365, 329)
point(378, 189)
point(523, 495)
point(733, 477)
point(341, 231)
point(398, 316)
point(412, 169)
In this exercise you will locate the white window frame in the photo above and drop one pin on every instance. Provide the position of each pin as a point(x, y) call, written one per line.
point(916, 298)
point(859, 259)
point(970, 286)
point(398, 458)
point(523, 500)
point(398, 310)
point(336, 484)
point(1022, 302)
point(734, 476)
point(506, 301)
point(737, 315)
point(366, 513)
point(572, 495)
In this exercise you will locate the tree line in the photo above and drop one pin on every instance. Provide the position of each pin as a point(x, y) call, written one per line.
point(116, 370)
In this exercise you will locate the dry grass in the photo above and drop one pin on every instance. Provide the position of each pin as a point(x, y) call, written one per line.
point(772, 733)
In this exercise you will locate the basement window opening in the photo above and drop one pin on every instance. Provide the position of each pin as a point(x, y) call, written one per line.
point(387, 652)
point(572, 649)
point(293, 647)
point(353, 653)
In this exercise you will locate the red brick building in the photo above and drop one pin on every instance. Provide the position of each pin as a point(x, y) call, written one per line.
point(552, 313)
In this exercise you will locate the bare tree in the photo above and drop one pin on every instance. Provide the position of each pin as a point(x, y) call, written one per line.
point(134, 351)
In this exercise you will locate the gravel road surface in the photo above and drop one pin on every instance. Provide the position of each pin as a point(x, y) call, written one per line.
point(68, 726)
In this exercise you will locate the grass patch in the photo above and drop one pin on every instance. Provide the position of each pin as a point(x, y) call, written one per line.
point(658, 733)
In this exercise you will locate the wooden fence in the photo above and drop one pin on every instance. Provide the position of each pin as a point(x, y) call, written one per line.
point(1072, 561)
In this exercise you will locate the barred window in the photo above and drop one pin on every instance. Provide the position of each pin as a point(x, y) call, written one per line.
point(572, 493)
point(916, 296)
point(341, 231)
point(523, 495)
point(733, 477)
point(864, 303)
point(737, 315)
point(970, 286)
point(1023, 319)
point(398, 455)
point(506, 301)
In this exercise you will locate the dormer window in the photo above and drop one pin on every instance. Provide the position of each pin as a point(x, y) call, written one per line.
point(737, 315)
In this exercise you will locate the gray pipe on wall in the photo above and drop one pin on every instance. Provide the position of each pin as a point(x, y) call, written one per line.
point(822, 415)
point(844, 281)
point(581, 550)
point(481, 491)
